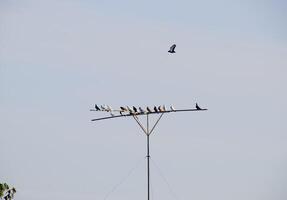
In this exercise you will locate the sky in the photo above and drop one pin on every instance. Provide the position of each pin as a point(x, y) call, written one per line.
point(58, 58)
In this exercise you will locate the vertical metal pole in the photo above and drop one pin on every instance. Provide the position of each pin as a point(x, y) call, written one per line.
point(148, 156)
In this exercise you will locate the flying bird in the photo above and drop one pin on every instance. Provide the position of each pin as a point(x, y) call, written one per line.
point(135, 109)
point(197, 107)
point(155, 109)
point(97, 107)
point(171, 49)
point(148, 109)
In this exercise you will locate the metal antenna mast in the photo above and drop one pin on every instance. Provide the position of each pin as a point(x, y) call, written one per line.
point(148, 157)
point(146, 129)
point(148, 132)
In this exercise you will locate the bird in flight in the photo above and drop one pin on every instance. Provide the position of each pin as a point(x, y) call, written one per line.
point(197, 107)
point(171, 49)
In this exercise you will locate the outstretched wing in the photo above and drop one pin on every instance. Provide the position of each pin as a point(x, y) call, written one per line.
point(172, 47)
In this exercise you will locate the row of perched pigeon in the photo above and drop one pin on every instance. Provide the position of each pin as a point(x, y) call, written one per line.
point(134, 110)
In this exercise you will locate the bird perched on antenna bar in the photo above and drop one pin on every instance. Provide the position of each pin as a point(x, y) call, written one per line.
point(172, 108)
point(97, 107)
point(130, 110)
point(163, 108)
point(159, 109)
point(135, 109)
point(103, 108)
point(155, 109)
point(148, 109)
point(142, 111)
point(197, 107)
point(171, 49)
point(109, 108)
point(123, 109)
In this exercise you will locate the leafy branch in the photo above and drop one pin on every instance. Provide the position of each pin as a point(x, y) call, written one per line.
point(6, 192)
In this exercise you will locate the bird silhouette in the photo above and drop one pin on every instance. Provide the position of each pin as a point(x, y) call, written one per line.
point(123, 109)
point(109, 108)
point(129, 109)
point(155, 109)
point(148, 109)
point(142, 110)
point(97, 107)
point(197, 107)
point(171, 49)
point(135, 109)
point(172, 108)
point(159, 109)
point(103, 108)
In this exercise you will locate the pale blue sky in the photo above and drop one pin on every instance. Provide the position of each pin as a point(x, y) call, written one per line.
point(58, 58)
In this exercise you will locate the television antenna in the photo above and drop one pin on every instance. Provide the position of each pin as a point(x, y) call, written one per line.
point(146, 128)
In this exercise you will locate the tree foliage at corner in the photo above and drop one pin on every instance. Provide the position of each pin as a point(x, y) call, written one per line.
point(6, 192)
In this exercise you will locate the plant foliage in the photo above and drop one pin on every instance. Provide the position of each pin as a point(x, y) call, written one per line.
point(6, 192)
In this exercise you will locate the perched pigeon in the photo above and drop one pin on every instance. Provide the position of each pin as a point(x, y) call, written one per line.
point(141, 110)
point(129, 109)
point(172, 108)
point(148, 109)
point(159, 109)
point(135, 109)
point(97, 107)
point(123, 109)
point(171, 49)
point(103, 108)
point(155, 109)
point(163, 108)
point(131, 112)
point(109, 108)
point(197, 107)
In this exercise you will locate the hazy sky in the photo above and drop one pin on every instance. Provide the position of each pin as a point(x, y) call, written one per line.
point(59, 57)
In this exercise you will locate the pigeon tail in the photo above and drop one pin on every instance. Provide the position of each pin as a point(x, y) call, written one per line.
point(197, 107)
